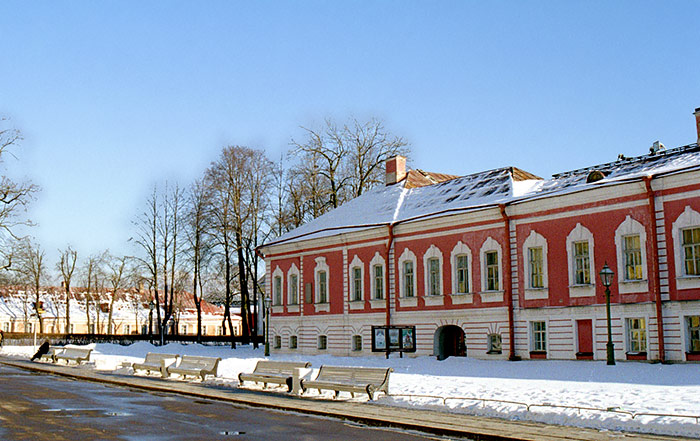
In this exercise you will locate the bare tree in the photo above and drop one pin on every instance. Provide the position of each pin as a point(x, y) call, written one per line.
point(32, 268)
point(14, 196)
point(92, 275)
point(66, 266)
point(147, 240)
point(117, 275)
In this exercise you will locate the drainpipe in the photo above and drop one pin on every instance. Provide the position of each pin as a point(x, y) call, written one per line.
point(657, 276)
point(388, 282)
point(508, 286)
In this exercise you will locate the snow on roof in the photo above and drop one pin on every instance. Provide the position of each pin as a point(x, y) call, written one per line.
point(404, 201)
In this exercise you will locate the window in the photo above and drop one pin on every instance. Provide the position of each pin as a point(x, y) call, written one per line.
point(434, 276)
point(293, 285)
point(356, 342)
point(293, 289)
point(322, 342)
point(322, 287)
point(693, 333)
point(220, 330)
point(407, 276)
point(633, 257)
point(691, 251)
point(494, 344)
point(582, 269)
point(183, 329)
point(539, 336)
point(204, 330)
point(492, 279)
point(462, 273)
point(378, 271)
point(72, 328)
point(536, 261)
point(278, 291)
point(144, 329)
point(321, 277)
point(6, 327)
point(293, 342)
point(29, 327)
point(636, 335)
point(91, 328)
point(356, 284)
point(408, 279)
point(278, 342)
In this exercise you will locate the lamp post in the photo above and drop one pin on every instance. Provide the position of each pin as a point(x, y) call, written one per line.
point(151, 305)
point(606, 276)
point(268, 302)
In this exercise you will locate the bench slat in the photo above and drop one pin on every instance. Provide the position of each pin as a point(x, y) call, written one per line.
point(350, 379)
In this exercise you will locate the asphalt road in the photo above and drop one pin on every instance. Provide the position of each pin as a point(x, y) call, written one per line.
point(45, 407)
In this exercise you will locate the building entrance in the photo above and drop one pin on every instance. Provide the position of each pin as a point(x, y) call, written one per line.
point(449, 341)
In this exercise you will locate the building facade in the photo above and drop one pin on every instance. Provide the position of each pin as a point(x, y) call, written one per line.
point(502, 264)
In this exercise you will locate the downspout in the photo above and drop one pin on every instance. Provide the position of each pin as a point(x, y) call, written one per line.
point(657, 276)
point(388, 281)
point(508, 286)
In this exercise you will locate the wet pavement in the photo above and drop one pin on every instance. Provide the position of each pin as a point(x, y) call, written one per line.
point(36, 406)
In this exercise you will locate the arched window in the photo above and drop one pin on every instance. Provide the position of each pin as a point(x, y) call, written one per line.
point(535, 267)
point(630, 245)
point(580, 258)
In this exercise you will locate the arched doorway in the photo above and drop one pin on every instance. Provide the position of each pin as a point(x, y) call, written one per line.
point(449, 341)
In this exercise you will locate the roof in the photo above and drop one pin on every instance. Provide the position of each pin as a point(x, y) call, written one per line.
point(414, 197)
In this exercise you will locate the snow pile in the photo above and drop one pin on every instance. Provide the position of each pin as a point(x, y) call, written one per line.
point(498, 388)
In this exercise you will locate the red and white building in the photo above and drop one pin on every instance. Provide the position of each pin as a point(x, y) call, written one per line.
point(502, 263)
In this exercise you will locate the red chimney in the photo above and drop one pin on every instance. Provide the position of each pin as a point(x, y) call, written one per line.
point(396, 168)
point(697, 122)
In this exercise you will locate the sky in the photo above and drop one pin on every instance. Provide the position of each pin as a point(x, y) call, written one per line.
point(114, 97)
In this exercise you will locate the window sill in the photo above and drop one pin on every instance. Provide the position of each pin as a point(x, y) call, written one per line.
point(408, 302)
point(491, 296)
point(688, 282)
point(356, 304)
point(538, 355)
point(632, 286)
point(636, 355)
point(322, 307)
point(293, 308)
point(278, 309)
point(536, 293)
point(582, 290)
point(433, 300)
point(377, 303)
point(462, 298)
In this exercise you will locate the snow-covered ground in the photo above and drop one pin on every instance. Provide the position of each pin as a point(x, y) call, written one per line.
point(627, 387)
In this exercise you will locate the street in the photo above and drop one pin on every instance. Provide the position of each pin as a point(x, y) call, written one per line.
point(45, 407)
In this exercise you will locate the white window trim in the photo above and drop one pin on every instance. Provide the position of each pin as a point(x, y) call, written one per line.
point(321, 265)
point(531, 333)
point(356, 263)
point(404, 301)
point(631, 227)
point(277, 308)
point(535, 240)
point(459, 250)
point(688, 219)
point(581, 234)
point(378, 260)
point(293, 307)
point(490, 244)
point(625, 320)
point(432, 300)
point(685, 335)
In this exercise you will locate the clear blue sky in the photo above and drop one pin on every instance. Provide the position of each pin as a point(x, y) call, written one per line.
point(114, 96)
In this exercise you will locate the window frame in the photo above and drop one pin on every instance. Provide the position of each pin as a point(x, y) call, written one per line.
point(578, 235)
point(538, 344)
point(642, 341)
point(688, 219)
point(293, 289)
point(407, 256)
point(321, 291)
point(355, 346)
point(377, 298)
point(433, 252)
point(322, 342)
point(460, 251)
point(293, 342)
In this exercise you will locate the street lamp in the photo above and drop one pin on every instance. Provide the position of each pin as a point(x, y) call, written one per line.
point(268, 302)
point(151, 305)
point(606, 276)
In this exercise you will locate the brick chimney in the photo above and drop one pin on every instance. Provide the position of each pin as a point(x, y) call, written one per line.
point(396, 168)
point(697, 122)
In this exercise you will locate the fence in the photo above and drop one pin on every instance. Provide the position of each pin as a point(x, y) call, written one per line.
point(27, 339)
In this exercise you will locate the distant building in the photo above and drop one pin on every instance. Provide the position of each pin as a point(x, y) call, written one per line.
point(502, 264)
point(131, 314)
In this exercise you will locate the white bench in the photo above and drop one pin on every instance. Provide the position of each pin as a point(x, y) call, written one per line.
point(275, 372)
point(50, 356)
point(156, 362)
point(350, 379)
point(78, 355)
point(195, 366)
